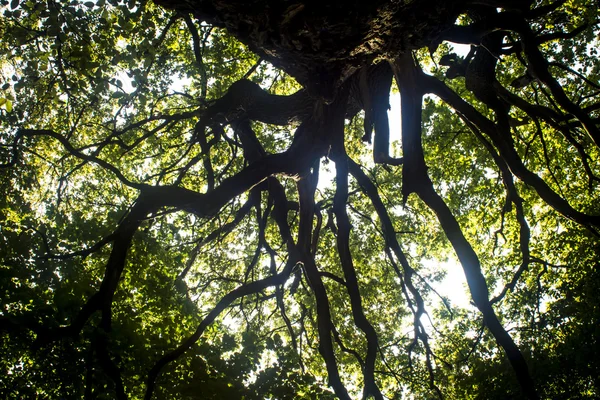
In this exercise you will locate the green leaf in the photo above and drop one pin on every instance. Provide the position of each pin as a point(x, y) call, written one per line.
point(6, 104)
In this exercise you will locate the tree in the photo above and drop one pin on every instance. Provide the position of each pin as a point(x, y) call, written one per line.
point(169, 228)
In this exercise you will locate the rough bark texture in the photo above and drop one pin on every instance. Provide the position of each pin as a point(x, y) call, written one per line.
point(323, 43)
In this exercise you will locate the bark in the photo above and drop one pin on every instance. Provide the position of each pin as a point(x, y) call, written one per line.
point(322, 45)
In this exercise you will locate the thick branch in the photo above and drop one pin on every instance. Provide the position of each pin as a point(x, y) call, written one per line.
point(539, 67)
point(246, 99)
point(108, 365)
point(343, 246)
point(391, 241)
point(506, 150)
point(478, 285)
point(405, 73)
point(421, 185)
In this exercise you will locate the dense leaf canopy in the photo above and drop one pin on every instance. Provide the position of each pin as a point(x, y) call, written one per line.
point(206, 199)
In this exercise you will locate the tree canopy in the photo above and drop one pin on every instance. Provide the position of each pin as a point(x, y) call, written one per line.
point(206, 199)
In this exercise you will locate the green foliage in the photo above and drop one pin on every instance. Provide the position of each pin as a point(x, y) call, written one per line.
point(122, 84)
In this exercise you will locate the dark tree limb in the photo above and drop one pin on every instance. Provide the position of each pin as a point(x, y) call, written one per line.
point(108, 365)
point(373, 95)
point(560, 35)
point(506, 151)
point(306, 188)
point(466, 255)
point(514, 198)
point(538, 65)
point(478, 287)
point(407, 272)
point(406, 76)
point(242, 291)
point(76, 153)
point(555, 120)
point(102, 300)
point(83, 252)
point(290, 162)
point(324, 325)
point(245, 99)
point(200, 136)
point(343, 246)
point(332, 122)
point(198, 47)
